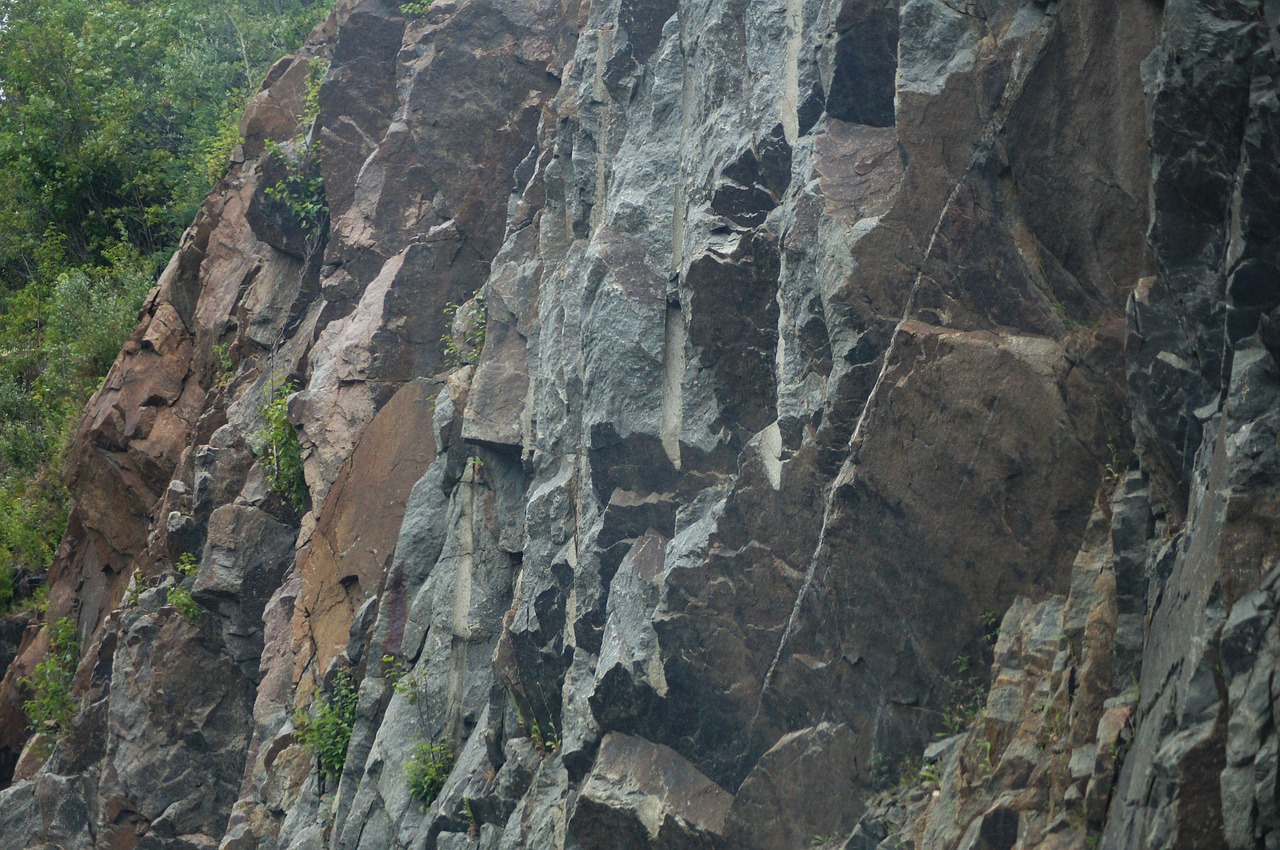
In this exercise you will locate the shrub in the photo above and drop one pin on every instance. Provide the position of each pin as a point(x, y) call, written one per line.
point(225, 367)
point(58, 337)
point(328, 732)
point(405, 682)
point(37, 603)
point(968, 695)
point(415, 8)
point(179, 596)
point(426, 771)
point(215, 149)
point(278, 447)
point(51, 708)
point(301, 192)
point(474, 319)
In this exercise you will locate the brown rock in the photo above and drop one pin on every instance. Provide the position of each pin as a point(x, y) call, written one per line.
point(641, 795)
point(356, 531)
point(790, 797)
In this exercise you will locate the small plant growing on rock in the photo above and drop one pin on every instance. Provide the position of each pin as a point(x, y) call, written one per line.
point(966, 697)
point(328, 732)
point(474, 829)
point(393, 669)
point(405, 683)
point(277, 446)
point(908, 773)
point(133, 595)
point(179, 596)
point(473, 319)
point(224, 364)
point(880, 769)
point(990, 627)
point(545, 742)
point(37, 603)
point(415, 8)
point(426, 771)
point(301, 191)
point(51, 708)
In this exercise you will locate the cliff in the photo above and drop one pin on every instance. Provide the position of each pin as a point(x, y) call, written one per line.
point(859, 429)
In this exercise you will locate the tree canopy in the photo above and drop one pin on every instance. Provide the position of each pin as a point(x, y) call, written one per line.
point(116, 117)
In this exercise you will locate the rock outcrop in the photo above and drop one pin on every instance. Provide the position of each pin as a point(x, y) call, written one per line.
point(701, 405)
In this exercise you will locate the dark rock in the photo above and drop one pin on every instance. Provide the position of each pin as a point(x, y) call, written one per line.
point(642, 795)
point(805, 392)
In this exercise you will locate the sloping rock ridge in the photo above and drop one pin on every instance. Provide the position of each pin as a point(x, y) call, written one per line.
point(724, 424)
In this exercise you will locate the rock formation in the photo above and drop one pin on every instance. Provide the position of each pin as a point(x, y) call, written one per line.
point(704, 404)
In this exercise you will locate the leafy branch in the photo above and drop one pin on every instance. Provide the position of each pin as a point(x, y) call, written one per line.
point(277, 446)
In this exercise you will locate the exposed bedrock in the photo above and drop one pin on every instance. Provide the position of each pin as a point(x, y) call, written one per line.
point(701, 404)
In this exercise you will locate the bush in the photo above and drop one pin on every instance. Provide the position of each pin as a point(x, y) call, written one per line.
point(58, 337)
point(415, 8)
point(301, 192)
point(426, 771)
point(116, 118)
point(328, 732)
point(51, 708)
point(474, 320)
point(278, 448)
point(179, 596)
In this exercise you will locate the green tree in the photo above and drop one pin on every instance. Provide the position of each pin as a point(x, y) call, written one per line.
point(116, 117)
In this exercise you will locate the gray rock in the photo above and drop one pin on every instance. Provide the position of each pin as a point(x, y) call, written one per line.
point(642, 795)
point(805, 359)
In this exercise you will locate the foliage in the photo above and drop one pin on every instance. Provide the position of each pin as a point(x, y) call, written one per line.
point(58, 337)
point(112, 109)
point(37, 603)
point(180, 596)
point(301, 191)
point(216, 148)
point(311, 102)
point(328, 732)
point(188, 564)
point(881, 771)
point(116, 116)
point(7, 589)
point(278, 447)
point(468, 806)
point(226, 367)
point(133, 594)
point(51, 707)
point(967, 693)
point(990, 621)
point(545, 741)
point(406, 683)
point(1053, 726)
point(426, 771)
point(415, 8)
point(474, 320)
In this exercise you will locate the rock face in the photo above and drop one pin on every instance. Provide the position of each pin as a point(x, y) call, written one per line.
point(701, 405)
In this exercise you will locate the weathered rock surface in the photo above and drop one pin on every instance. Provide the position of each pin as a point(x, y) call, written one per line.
point(801, 343)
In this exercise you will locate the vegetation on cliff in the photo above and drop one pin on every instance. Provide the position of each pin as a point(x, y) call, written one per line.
point(116, 118)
